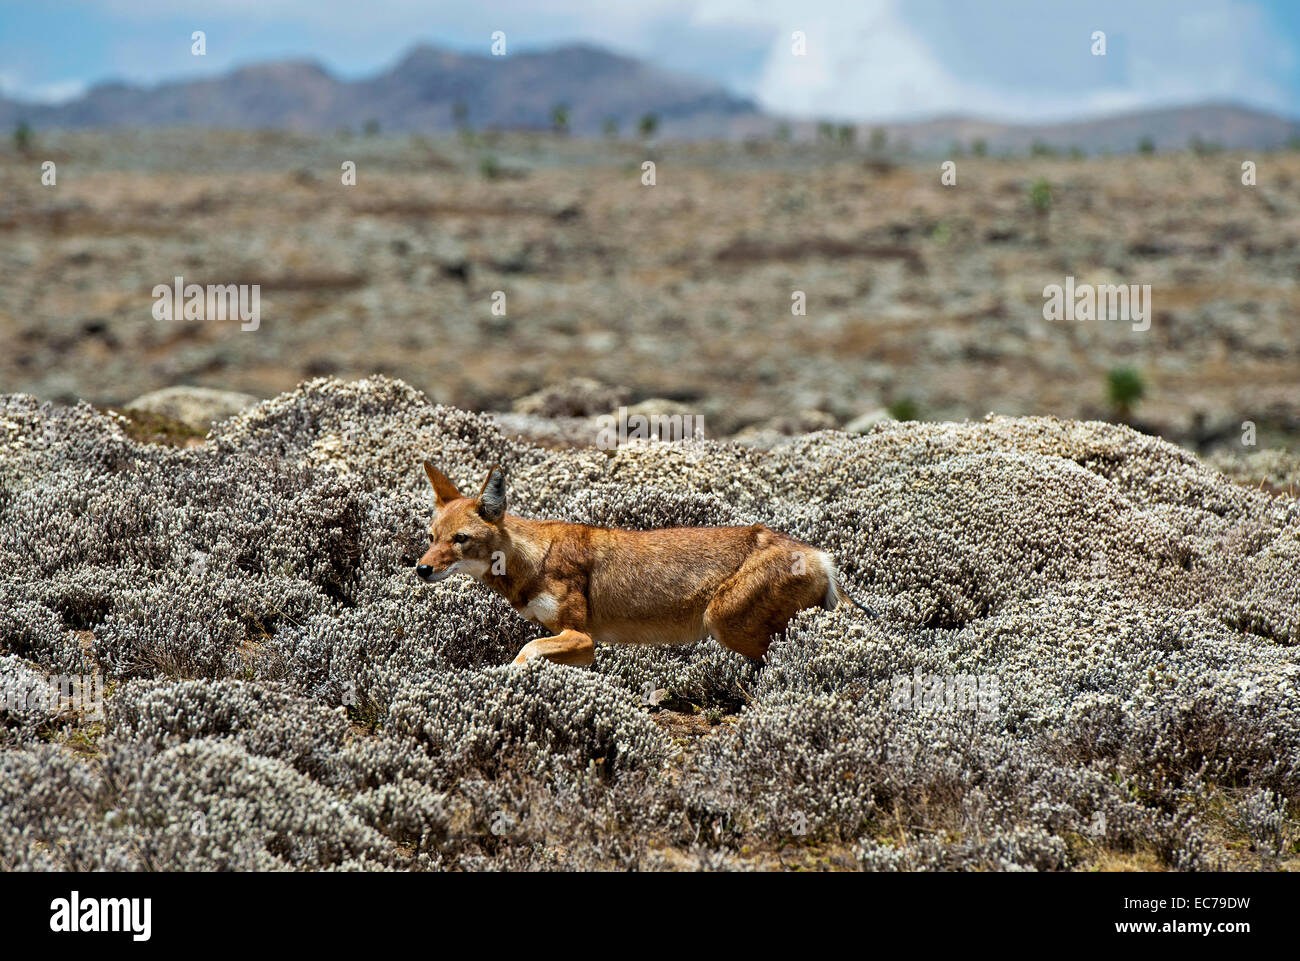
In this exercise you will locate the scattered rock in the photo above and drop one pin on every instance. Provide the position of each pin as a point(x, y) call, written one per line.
point(195, 407)
point(770, 431)
point(864, 422)
point(579, 397)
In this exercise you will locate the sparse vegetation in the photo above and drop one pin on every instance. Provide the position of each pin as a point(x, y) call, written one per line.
point(961, 360)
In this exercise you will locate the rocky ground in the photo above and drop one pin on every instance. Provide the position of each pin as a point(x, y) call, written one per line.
point(1113, 627)
point(921, 298)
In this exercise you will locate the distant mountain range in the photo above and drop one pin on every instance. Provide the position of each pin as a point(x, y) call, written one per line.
point(432, 90)
point(1225, 125)
point(424, 92)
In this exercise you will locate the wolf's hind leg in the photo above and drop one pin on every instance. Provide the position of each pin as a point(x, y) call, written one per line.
point(756, 602)
point(568, 647)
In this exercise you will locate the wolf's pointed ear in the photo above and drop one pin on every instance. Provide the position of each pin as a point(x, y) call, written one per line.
point(443, 489)
point(492, 498)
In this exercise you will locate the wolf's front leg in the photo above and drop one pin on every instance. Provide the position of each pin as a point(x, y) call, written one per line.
point(568, 647)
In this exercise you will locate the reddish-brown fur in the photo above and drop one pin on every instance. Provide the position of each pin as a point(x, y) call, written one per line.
point(672, 586)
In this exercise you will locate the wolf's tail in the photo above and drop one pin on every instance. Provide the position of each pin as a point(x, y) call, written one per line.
point(844, 595)
point(836, 594)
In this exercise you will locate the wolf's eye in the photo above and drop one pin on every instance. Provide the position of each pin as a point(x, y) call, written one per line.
point(460, 538)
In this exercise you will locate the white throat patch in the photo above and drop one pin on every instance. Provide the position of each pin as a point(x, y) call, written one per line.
point(470, 566)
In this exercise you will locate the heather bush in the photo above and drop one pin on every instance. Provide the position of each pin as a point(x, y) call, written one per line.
point(284, 694)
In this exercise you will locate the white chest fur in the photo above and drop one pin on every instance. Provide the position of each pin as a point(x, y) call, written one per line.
point(542, 609)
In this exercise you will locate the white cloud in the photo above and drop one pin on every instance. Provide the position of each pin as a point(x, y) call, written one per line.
point(14, 87)
point(866, 61)
point(861, 61)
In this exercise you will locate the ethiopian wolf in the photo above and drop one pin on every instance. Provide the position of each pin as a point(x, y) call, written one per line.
point(588, 584)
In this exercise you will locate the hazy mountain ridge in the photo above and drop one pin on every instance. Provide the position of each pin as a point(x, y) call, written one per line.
point(1216, 124)
point(424, 90)
point(420, 93)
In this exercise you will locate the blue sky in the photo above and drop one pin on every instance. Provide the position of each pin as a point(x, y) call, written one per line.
point(866, 59)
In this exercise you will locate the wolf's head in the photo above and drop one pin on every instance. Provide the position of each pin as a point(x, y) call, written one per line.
point(465, 532)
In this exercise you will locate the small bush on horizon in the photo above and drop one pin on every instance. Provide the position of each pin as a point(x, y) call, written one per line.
point(1040, 196)
point(905, 408)
point(1125, 387)
point(23, 137)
